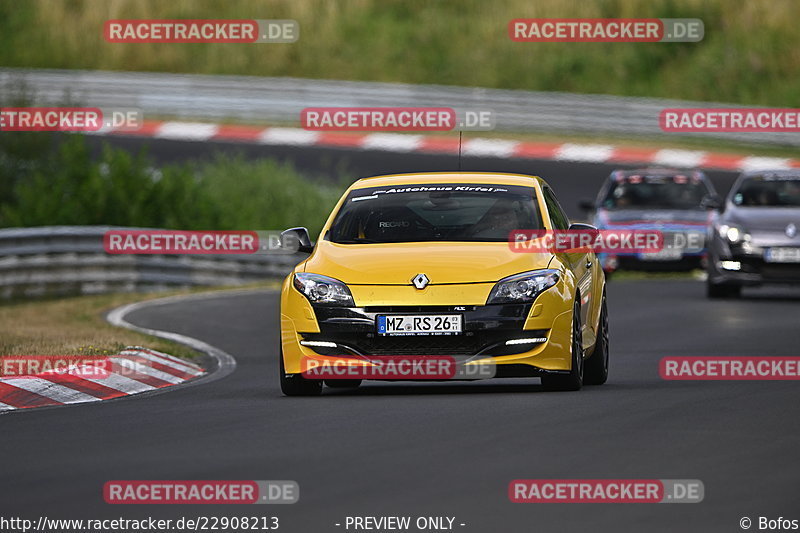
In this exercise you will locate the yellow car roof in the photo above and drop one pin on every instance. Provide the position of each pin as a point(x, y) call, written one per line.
point(493, 178)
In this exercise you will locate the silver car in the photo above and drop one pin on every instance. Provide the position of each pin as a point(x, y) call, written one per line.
point(755, 236)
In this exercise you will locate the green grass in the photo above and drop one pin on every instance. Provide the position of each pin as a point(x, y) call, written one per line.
point(73, 326)
point(76, 325)
point(46, 184)
point(750, 54)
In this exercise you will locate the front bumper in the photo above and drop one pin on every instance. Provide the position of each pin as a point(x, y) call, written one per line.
point(688, 247)
point(687, 261)
point(486, 328)
point(745, 265)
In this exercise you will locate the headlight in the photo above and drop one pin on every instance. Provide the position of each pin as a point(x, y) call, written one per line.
point(323, 290)
point(733, 234)
point(522, 288)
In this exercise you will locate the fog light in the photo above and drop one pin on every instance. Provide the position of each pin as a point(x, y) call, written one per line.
point(319, 344)
point(532, 340)
point(730, 265)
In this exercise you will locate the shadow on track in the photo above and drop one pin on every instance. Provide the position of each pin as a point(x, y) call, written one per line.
point(416, 388)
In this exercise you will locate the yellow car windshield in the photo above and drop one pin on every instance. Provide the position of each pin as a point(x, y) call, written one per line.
point(435, 212)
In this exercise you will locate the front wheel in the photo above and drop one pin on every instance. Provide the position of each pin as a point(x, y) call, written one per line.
point(596, 370)
point(297, 385)
point(574, 380)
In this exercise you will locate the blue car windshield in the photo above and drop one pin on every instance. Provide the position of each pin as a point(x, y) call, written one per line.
point(655, 192)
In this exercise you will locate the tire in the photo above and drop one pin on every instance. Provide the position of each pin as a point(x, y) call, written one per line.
point(723, 290)
point(297, 385)
point(574, 380)
point(343, 383)
point(595, 371)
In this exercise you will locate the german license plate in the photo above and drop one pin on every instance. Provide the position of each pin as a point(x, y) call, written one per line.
point(782, 255)
point(419, 324)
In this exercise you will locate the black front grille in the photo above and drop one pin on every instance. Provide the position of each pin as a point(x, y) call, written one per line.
point(487, 343)
point(486, 327)
point(423, 345)
point(383, 309)
point(774, 272)
point(788, 272)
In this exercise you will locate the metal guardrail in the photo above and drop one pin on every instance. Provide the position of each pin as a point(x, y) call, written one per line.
point(60, 260)
point(280, 100)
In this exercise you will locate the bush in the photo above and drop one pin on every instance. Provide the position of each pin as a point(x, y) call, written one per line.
point(66, 186)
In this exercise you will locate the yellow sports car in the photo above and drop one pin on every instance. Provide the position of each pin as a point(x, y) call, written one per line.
point(421, 265)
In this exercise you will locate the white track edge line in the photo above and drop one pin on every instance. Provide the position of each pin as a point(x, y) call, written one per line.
point(226, 363)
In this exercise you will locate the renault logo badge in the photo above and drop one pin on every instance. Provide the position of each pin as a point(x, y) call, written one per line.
point(420, 281)
point(791, 231)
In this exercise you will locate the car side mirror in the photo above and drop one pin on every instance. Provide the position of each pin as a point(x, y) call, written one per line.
point(586, 205)
point(711, 202)
point(585, 227)
point(297, 237)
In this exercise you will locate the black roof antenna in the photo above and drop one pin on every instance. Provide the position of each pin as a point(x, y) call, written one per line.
point(460, 133)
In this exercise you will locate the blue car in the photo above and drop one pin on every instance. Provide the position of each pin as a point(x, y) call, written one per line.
point(676, 202)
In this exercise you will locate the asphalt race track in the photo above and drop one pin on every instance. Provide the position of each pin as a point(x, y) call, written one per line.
point(441, 449)
point(444, 449)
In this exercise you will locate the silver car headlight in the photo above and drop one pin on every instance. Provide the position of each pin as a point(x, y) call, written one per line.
point(523, 288)
point(323, 290)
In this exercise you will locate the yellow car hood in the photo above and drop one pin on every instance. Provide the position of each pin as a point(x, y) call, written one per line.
point(441, 262)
